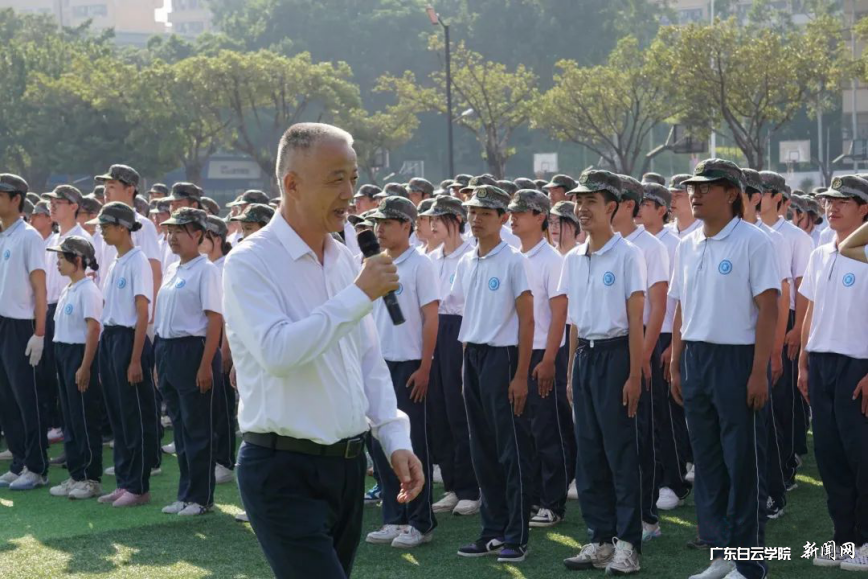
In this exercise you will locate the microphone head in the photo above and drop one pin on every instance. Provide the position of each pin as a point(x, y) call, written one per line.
point(368, 243)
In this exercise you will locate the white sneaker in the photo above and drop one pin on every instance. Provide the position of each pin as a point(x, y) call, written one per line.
point(572, 492)
point(223, 475)
point(6, 455)
point(242, 517)
point(110, 471)
point(9, 478)
point(734, 574)
point(193, 510)
point(169, 448)
point(466, 508)
point(411, 537)
point(155, 471)
point(85, 489)
point(437, 476)
point(62, 490)
point(691, 475)
point(668, 500)
point(625, 561)
point(174, 508)
point(28, 481)
point(545, 518)
point(592, 556)
point(385, 535)
point(857, 563)
point(650, 531)
point(55, 435)
point(829, 560)
point(447, 504)
point(717, 570)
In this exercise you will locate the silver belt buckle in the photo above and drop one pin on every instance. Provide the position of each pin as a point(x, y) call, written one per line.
point(592, 343)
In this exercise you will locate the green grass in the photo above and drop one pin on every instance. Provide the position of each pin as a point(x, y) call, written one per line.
point(47, 537)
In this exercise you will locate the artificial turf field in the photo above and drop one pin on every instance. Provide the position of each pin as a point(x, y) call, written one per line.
point(47, 537)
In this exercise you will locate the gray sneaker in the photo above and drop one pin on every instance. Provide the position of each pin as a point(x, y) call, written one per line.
point(174, 508)
point(62, 490)
point(193, 509)
point(28, 481)
point(625, 560)
point(592, 556)
point(8, 478)
point(717, 570)
point(85, 489)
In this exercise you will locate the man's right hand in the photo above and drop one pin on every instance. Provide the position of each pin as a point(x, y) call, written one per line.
point(378, 277)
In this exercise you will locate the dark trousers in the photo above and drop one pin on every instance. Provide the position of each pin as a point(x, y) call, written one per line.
point(21, 400)
point(608, 478)
point(46, 375)
point(82, 441)
point(553, 465)
point(777, 472)
point(225, 413)
point(418, 512)
point(130, 408)
point(841, 442)
point(785, 405)
point(500, 443)
point(800, 409)
point(650, 464)
point(192, 414)
point(670, 427)
point(728, 439)
point(306, 510)
point(450, 438)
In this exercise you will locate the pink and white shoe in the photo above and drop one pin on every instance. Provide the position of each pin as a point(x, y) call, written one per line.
point(129, 499)
point(112, 496)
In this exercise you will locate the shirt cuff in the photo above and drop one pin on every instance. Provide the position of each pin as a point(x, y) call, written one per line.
point(356, 303)
point(395, 435)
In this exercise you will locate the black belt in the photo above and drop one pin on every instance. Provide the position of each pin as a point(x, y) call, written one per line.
point(607, 343)
point(348, 448)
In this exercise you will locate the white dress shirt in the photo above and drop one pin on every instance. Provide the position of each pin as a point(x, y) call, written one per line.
point(445, 266)
point(187, 292)
point(54, 282)
point(543, 264)
point(22, 251)
point(306, 350)
point(78, 303)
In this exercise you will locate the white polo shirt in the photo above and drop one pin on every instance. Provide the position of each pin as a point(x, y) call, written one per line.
point(167, 258)
point(78, 302)
point(827, 236)
point(599, 284)
point(187, 292)
point(445, 266)
point(838, 286)
point(234, 238)
point(543, 264)
point(815, 236)
point(782, 250)
point(417, 287)
point(671, 240)
point(697, 223)
point(801, 247)
point(716, 279)
point(54, 282)
point(656, 263)
point(144, 239)
point(219, 265)
point(128, 277)
point(489, 286)
point(22, 251)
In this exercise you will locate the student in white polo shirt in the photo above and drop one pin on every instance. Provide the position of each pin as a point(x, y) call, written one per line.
point(126, 358)
point(564, 226)
point(833, 370)
point(450, 439)
point(188, 326)
point(22, 325)
point(673, 446)
point(408, 350)
point(466, 192)
point(427, 243)
point(76, 338)
point(547, 404)
point(727, 286)
point(605, 283)
point(683, 221)
point(796, 422)
point(254, 217)
point(497, 333)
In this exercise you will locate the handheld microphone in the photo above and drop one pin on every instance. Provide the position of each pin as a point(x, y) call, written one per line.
point(371, 247)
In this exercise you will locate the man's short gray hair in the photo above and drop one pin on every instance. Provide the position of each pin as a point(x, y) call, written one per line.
point(303, 137)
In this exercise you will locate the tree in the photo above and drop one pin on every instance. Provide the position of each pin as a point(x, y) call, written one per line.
point(611, 108)
point(488, 100)
point(750, 80)
point(382, 131)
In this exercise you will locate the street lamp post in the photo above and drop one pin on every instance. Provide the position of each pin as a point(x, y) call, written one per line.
point(435, 20)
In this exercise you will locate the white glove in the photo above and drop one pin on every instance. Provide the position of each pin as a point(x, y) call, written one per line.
point(35, 346)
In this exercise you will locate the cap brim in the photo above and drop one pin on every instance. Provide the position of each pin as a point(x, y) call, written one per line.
point(55, 249)
point(6, 188)
point(518, 208)
point(173, 221)
point(103, 178)
point(95, 221)
point(53, 195)
point(474, 202)
point(582, 190)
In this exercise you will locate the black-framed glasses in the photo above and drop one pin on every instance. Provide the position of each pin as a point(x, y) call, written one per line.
point(702, 188)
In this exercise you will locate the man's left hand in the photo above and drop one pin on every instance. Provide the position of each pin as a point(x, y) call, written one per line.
point(408, 469)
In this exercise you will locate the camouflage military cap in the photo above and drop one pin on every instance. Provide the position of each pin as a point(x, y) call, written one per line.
point(217, 226)
point(565, 182)
point(421, 185)
point(33, 198)
point(117, 213)
point(141, 205)
point(479, 181)
point(657, 193)
point(255, 213)
point(525, 183)
point(677, 182)
point(797, 203)
point(367, 191)
point(67, 193)
point(424, 205)
point(773, 182)
point(188, 216)
point(209, 205)
point(462, 179)
point(848, 186)
point(42, 208)
point(249, 197)
point(652, 177)
point(28, 208)
point(160, 206)
point(753, 181)
point(10, 183)
point(508, 186)
point(159, 189)
point(392, 190)
point(712, 170)
point(566, 210)
point(489, 197)
point(631, 189)
point(394, 207)
point(354, 219)
point(530, 200)
point(99, 192)
point(90, 204)
point(123, 173)
point(817, 191)
point(447, 205)
point(813, 206)
point(76, 245)
point(594, 180)
point(182, 191)
point(540, 183)
point(446, 184)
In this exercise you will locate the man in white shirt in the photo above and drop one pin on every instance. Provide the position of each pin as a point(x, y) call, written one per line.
point(683, 223)
point(310, 372)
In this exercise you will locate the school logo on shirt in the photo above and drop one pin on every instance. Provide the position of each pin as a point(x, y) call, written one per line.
point(725, 267)
point(451, 279)
point(68, 310)
point(180, 283)
point(400, 289)
point(608, 278)
point(493, 284)
point(122, 283)
point(849, 279)
point(7, 254)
